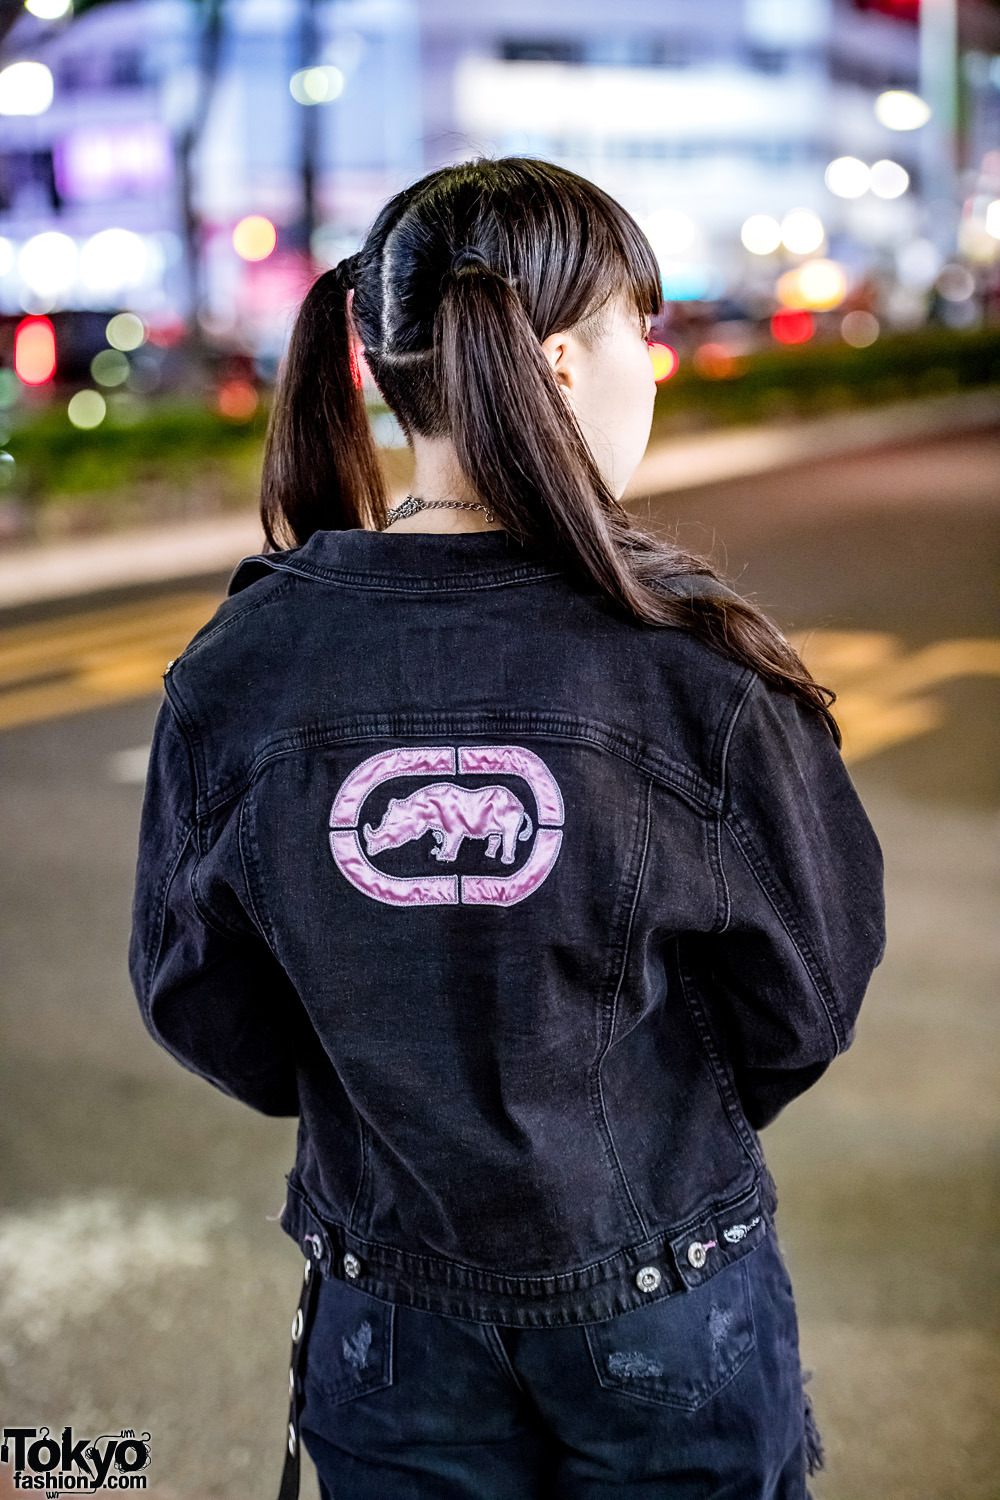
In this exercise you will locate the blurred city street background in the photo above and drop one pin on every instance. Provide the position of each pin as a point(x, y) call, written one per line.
point(820, 180)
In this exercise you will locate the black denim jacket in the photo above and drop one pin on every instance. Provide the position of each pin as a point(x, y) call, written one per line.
point(532, 915)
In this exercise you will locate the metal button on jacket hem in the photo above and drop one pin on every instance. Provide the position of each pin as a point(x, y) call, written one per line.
point(591, 1293)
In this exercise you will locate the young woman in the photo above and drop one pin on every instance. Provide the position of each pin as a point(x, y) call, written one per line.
point(514, 853)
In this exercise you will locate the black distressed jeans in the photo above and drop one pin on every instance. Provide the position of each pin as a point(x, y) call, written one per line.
point(697, 1396)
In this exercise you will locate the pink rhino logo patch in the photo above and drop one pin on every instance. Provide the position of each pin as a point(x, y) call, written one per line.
point(453, 813)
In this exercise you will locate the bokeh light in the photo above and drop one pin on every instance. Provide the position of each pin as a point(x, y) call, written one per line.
point(992, 219)
point(165, 332)
point(113, 261)
point(125, 331)
point(689, 281)
point(974, 242)
point(34, 351)
point(7, 256)
point(237, 399)
point(319, 85)
point(817, 285)
point(889, 179)
point(48, 264)
point(918, 262)
point(955, 282)
point(859, 329)
point(670, 232)
point(665, 361)
point(802, 231)
point(254, 237)
point(9, 389)
point(847, 177)
point(898, 109)
point(715, 361)
point(48, 10)
point(787, 289)
point(110, 367)
point(87, 409)
point(792, 326)
point(761, 234)
point(25, 89)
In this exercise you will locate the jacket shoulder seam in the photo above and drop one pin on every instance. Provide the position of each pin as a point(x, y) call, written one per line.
point(263, 929)
point(248, 606)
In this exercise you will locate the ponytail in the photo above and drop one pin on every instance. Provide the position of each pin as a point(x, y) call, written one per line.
point(518, 440)
point(514, 433)
point(321, 470)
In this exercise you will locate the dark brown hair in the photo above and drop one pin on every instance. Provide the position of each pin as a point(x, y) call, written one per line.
point(459, 280)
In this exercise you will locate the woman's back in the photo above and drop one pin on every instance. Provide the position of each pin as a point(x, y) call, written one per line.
point(530, 870)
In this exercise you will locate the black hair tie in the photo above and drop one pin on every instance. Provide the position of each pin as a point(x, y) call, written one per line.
point(346, 272)
point(466, 257)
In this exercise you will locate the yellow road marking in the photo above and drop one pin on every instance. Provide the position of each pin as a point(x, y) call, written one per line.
point(94, 658)
point(875, 681)
point(27, 650)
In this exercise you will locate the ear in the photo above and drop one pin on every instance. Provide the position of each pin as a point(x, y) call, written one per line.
point(560, 351)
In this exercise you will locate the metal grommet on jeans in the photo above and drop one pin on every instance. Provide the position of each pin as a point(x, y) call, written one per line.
point(289, 1487)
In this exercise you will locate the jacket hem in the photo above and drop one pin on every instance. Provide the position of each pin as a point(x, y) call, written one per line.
point(683, 1256)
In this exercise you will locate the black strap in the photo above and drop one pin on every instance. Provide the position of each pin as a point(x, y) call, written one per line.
point(301, 1323)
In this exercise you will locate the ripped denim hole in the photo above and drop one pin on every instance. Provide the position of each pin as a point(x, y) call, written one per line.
point(357, 1346)
point(632, 1364)
point(815, 1457)
point(718, 1327)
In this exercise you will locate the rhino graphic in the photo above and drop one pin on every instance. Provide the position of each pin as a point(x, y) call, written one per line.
point(453, 813)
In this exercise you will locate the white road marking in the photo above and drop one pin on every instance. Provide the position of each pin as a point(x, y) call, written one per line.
point(61, 1261)
point(129, 766)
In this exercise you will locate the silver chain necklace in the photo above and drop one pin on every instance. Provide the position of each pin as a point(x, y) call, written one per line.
point(413, 503)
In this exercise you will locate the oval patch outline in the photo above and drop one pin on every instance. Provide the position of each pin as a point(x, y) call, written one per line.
point(452, 813)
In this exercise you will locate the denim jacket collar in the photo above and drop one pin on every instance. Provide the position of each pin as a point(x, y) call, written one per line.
point(429, 562)
point(415, 560)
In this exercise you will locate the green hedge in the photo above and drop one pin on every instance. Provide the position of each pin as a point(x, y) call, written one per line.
point(180, 455)
point(177, 439)
point(807, 379)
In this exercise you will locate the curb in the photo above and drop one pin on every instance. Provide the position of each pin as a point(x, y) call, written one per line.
point(156, 554)
point(148, 554)
point(690, 462)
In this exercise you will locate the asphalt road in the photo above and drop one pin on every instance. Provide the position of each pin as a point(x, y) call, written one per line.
point(143, 1280)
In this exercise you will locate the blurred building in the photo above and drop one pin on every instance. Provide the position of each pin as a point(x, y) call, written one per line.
point(155, 121)
point(695, 116)
point(171, 122)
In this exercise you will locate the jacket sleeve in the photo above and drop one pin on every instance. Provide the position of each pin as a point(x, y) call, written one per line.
point(209, 989)
point(804, 927)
